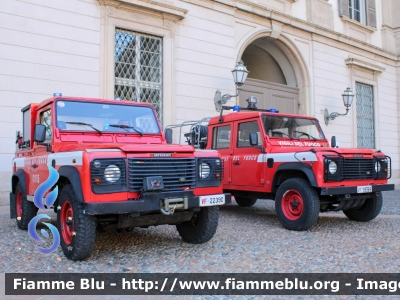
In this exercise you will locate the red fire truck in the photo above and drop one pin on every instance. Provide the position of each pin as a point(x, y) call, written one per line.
point(286, 158)
point(115, 172)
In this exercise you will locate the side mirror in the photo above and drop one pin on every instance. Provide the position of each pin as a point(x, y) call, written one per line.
point(168, 135)
point(40, 133)
point(253, 137)
point(333, 142)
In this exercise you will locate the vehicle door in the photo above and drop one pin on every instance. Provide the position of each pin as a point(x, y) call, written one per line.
point(247, 166)
point(221, 141)
point(38, 167)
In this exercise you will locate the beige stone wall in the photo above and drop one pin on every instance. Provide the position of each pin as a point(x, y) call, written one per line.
point(46, 46)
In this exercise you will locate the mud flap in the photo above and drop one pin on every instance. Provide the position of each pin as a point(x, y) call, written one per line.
point(13, 213)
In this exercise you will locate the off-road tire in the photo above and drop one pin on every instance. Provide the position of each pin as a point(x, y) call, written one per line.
point(29, 210)
point(84, 226)
point(305, 213)
point(368, 211)
point(201, 228)
point(245, 202)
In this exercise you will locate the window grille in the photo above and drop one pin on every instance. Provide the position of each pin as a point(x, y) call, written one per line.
point(365, 116)
point(138, 68)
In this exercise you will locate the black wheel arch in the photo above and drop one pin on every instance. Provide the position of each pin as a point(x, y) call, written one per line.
point(290, 170)
point(19, 176)
point(68, 172)
point(72, 175)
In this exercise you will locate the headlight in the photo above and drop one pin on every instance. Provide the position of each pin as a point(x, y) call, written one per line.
point(112, 173)
point(332, 167)
point(204, 170)
point(377, 167)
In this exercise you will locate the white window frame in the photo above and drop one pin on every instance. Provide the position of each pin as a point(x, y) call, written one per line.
point(363, 13)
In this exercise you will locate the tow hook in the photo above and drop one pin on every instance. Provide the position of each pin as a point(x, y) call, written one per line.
point(171, 204)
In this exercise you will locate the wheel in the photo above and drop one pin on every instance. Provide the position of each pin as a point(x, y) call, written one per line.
point(297, 204)
point(77, 230)
point(368, 211)
point(201, 228)
point(245, 202)
point(25, 210)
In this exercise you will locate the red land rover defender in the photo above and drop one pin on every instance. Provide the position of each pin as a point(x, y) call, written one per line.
point(115, 172)
point(270, 155)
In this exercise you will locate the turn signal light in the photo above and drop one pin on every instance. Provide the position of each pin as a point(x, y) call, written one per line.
point(97, 180)
point(218, 176)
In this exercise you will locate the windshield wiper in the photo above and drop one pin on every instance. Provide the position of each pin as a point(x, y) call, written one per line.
point(81, 123)
point(280, 132)
point(305, 133)
point(126, 126)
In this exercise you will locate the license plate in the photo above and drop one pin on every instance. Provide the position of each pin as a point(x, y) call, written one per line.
point(364, 189)
point(212, 200)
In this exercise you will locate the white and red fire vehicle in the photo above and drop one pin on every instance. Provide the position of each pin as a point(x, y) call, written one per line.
point(116, 171)
point(286, 158)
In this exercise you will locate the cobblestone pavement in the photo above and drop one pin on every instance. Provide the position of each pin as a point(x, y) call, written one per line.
point(247, 240)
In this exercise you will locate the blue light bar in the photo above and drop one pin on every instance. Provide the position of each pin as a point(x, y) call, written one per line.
point(273, 110)
point(57, 94)
point(236, 108)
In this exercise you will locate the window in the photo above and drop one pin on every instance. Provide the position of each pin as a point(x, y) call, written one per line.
point(356, 10)
point(45, 119)
point(138, 68)
point(363, 11)
point(221, 137)
point(105, 117)
point(244, 131)
point(365, 116)
point(290, 127)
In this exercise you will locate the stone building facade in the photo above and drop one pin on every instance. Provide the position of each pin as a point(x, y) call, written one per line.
point(302, 55)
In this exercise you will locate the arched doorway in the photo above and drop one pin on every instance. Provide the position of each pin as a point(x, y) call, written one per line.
point(272, 78)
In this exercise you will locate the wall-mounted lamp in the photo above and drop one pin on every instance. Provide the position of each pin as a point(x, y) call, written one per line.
point(347, 100)
point(239, 76)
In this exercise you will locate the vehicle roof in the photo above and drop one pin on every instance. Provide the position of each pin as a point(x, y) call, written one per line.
point(111, 101)
point(234, 116)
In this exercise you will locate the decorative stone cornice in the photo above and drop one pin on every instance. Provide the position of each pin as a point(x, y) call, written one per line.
point(358, 24)
point(355, 62)
point(170, 11)
point(265, 12)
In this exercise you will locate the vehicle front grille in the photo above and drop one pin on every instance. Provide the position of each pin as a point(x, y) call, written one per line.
point(358, 168)
point(177, 173)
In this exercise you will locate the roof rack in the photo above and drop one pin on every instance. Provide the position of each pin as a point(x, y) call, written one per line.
point(196, 134)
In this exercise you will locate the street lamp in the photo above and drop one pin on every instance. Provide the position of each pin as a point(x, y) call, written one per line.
point(347, 101)
point(239, 77)
point(240, 73)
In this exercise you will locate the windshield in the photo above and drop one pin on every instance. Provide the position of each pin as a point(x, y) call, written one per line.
point(292, 128)
point(101, 117)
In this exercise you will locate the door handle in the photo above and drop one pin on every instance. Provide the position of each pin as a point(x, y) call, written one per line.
point(34, 166)
point(236, 162)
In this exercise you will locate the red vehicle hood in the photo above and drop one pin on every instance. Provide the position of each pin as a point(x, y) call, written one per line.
point(150, 148)
point(342, 151)
point(156, 148)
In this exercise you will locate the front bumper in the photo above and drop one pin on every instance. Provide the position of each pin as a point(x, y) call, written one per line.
point(353, 189)
point(150, 202)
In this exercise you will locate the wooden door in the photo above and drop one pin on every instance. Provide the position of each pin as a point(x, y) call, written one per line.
point(271, 95)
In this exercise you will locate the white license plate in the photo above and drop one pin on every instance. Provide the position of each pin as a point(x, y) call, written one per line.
point(212, 200)
point(364, 189)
